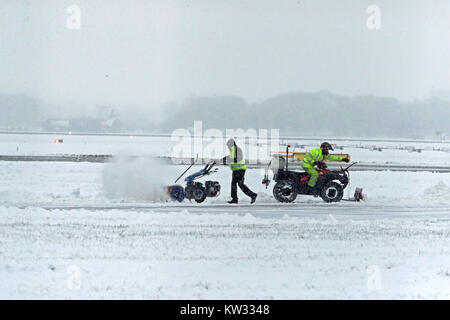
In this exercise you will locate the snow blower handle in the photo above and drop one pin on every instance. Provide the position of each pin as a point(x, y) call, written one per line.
point(209, 166)
point(193, 162)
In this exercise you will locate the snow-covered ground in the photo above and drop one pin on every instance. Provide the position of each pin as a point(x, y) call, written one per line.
point(178, 254)
point(58, 183)
point(90, 230)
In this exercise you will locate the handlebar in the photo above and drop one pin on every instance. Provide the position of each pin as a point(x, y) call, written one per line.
point(345, 170)
point(209, 166)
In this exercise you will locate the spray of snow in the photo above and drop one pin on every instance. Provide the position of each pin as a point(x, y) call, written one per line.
point(440, 191)
point(141, 179)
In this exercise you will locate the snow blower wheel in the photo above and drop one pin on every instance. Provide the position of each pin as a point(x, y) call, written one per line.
point(176, 193)
point(199, 194)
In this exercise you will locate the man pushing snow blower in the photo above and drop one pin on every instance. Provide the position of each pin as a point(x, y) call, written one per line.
point(315, 157)
point(237, 164)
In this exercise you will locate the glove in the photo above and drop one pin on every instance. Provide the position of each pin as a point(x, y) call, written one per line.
point(345, 160)
point(220, 160)
point(322, 165)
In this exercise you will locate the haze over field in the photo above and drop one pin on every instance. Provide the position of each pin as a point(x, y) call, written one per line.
point(314, 66)
point(296, 113)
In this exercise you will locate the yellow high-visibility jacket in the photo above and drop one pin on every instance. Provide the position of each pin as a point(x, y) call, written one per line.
point(235, 159)
point(316, 155)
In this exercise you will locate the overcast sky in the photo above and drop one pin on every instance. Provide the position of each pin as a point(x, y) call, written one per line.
point(144, 53)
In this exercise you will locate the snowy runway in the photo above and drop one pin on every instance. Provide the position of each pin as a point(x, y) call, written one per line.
point(179, 254)
point(354, 211)
point(96, 230)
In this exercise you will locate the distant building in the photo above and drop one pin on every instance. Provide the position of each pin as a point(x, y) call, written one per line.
point(106, 121)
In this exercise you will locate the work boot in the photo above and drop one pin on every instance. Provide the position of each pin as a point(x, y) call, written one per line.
point(313, 191)
point(254, 198)
point(233, 201)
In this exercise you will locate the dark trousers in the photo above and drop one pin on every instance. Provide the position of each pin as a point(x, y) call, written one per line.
point(238, 180)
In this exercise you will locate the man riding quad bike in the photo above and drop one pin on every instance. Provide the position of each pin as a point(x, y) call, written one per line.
point(315, 158)
point(327, 184)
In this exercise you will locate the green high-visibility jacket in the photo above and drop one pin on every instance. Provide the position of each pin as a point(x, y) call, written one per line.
point(237, 159)
point(316, 155)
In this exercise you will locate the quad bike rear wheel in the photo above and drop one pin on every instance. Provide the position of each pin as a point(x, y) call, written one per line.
point(332, 192)
point(285, 191)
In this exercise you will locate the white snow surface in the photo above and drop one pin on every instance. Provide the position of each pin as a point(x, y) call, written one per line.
point(90, 230)
point(182, 255)
point(135, 182)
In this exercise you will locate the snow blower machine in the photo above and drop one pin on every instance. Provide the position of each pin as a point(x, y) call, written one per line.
point(330, 183)
point(194, 189)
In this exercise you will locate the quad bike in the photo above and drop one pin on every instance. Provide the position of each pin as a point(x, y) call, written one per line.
point(195, 190)
point(330, 183)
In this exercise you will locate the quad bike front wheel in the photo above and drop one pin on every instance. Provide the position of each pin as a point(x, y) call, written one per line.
point(332, 192)
point(285, 191)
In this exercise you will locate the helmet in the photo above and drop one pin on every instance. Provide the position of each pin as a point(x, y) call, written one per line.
point(230, 143)
point(325, 146)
